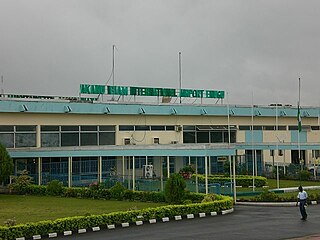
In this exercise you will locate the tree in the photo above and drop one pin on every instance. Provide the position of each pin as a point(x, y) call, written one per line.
point(174, 190)
point(6, 164)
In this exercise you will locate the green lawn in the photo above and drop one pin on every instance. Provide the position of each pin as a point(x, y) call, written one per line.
point(36, 208)
point(272, 184)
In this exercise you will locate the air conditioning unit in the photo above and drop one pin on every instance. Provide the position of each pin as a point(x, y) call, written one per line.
point(148, 171)
point(174, 142)
point(178, 128)
point(280, 152)
point(156, 140)
point(222, 159)
point(126, 141)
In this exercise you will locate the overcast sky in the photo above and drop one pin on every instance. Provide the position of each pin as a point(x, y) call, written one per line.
point(244, 47)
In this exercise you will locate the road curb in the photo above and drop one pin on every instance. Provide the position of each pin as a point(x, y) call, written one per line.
point(272, 204)
point(138, 223)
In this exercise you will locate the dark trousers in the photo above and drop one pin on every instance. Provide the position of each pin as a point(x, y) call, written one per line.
point(303, 209)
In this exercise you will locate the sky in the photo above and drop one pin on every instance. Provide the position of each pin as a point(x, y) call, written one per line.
point(256, 50)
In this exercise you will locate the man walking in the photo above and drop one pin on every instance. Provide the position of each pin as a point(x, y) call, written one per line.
point(302, 199)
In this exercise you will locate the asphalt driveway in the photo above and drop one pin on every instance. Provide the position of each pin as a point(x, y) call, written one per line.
point(246, 222)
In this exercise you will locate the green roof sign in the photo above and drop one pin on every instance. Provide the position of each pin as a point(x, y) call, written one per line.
point(146, 91)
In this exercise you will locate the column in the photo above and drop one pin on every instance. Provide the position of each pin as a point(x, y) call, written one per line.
point(69, 171)
point(133, 174)
point(161, 173)
point(100, 169)
point(38, 136)
point(39, 170)
point(234, 180)
point(206, 172)
point(123, 169)
point(168, 166)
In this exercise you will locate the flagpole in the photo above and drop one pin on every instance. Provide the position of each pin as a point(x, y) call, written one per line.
point(252, 151)
point(299, 127)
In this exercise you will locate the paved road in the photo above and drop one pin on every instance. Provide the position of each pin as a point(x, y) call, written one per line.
point(246, 222)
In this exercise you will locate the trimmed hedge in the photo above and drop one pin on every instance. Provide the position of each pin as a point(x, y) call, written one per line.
point(96, 193)
point(74, 223)
point(241, 180)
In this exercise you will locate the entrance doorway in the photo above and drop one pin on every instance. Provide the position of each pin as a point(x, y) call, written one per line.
point(295, 156)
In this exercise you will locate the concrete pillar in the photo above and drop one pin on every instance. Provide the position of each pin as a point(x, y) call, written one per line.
point(123, 168)
point(168, 166)
point(206, 172)
point(69, 171)
point(100, 169)
point(133, 174)
point(39, 170)
point(38, 136)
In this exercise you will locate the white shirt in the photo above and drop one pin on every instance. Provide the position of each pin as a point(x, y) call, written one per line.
point(302, 195)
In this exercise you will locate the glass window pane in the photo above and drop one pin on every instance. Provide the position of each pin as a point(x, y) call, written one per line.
point(189, 137)
point(6, 128)
point(88, 128)
point(169, 128)
point(25, 139)
point(282, 128)
point(6, 139)
point(293, 128)
point(187, 127)
point(49, 128)
point(70, 128)
point(107, 138)
point(107, 128)
point(216, 137)
point(126, 128)
point(269, 128)
point(203, 128)
point(244, 127)
point(69, 139)
point(88, 139)
point(50, 139)
point(142, 128)
point(25, 128)
point(233, 136)
point(158, 128)
point(202, 137)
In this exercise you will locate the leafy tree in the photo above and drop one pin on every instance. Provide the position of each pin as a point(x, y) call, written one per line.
point(174, 190)
point(6, 164)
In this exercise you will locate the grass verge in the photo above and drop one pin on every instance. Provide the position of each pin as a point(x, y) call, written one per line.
point(26, 209)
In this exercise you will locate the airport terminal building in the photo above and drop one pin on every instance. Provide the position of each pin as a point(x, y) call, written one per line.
point(79, 140)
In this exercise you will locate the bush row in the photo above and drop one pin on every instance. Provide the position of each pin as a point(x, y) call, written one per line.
point(94, 193)
point(269, 196)
point(241, 180)
point(98, 191)
point(43, 228)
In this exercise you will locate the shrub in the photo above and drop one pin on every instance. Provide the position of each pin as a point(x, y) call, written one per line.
point(21, 183)
point(6, 164)
point(267, 196)
point(186, 172)
point(211, 198)
point(117, 191)
point(55, 188)
point(174, 190)
point(241, 180)
point(98, 191)
point(10, 222)
point(304, 175)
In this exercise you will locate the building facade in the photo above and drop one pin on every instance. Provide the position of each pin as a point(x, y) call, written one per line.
point(79, 141)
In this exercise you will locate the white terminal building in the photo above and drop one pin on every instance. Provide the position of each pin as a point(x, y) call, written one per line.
point(108, 130)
